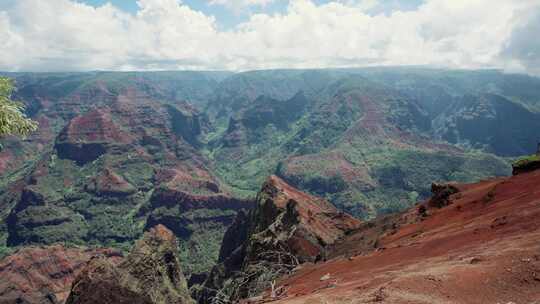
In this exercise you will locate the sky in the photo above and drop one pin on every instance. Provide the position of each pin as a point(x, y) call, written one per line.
point(239, 35)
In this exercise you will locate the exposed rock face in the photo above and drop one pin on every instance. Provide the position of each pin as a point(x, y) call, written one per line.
point(44, 274)
point(89, 136)
point(235, 136)
point(99, 283)
point(153, 268)
point(187, 125)
point(151, 274)
point(301, 223)
point(235, 236)
point(286, 228)
point(197, 219)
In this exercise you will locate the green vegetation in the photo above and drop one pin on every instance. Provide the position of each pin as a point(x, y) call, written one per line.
point(344, 145)
point(200, 252)
point(370, 140)
point(13, 121)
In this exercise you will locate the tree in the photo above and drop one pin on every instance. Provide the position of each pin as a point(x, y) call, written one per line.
point(13, 121)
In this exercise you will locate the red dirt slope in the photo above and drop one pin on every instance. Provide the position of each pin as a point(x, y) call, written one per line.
point(482, 248)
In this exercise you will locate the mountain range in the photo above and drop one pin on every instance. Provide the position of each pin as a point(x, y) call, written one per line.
point(118, 153)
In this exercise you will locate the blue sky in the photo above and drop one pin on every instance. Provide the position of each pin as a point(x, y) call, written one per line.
point(228, 17)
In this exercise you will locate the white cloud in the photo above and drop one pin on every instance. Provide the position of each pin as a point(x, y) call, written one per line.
point(522, 51)
point(364, 5)
point(166, 34)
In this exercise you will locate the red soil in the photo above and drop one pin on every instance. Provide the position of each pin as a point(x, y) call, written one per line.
point(482, 248)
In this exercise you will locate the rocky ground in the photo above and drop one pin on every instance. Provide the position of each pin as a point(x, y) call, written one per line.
point(483, 247)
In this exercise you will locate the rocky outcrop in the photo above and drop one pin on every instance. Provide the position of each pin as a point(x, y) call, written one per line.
point(44, 274)
point(153, 268)
point(441, 194)
point(286, 228)
point(187, 124)
point(235, 236)
point(150, 274)
point(199, 220)
point(526, 164)
point(467, 252)
point(235, 136)
point(167, 197)
point(99, 283)
point(300, 223)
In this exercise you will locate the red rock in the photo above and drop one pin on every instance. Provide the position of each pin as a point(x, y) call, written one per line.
point(286, 227)
point(93, 126)
point(88, 136)
point(150, 274)
point(44, 274)
point(316, 215)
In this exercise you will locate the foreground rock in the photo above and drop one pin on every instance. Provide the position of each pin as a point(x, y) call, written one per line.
point(441, 194)
point(151, 274)
point(481, 246)
point(44, 274)
point(286, 228)
point(526, 164)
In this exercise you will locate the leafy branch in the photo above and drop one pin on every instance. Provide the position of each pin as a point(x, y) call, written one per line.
point(13, 121)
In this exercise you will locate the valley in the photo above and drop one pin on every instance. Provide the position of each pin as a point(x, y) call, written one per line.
point(117, 153)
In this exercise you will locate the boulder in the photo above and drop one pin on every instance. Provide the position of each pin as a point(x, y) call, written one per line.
point(441, 194)
point(150, 274)
point(44, 274)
